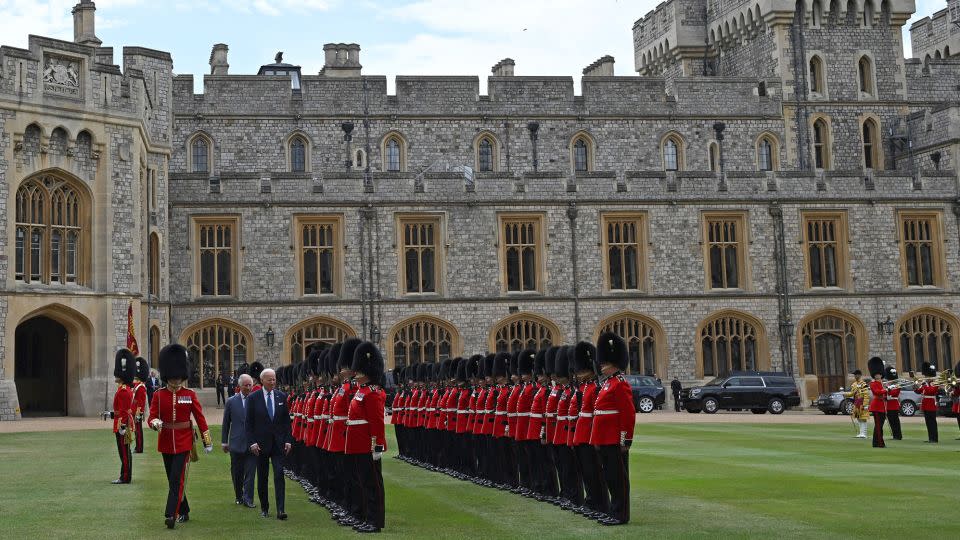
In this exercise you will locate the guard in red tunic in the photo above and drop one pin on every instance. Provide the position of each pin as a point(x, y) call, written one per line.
point(893, 403)
point(506, 478)
point(337, 436)
point(170, 413)
point(928, 402)
point(955, 395)
point(878, 403)
point(460, 413)
point(571, 485)
point(124, 368)
point(596, 499)
point(525, 455)
point(366, 440)
point(489, 453)
point(542, 475)
point(139, 401)
point(613, 421)
point(256, 369)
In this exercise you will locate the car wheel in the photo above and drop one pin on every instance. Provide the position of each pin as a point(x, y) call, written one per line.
point(710, 405)
point(645, 405)
point(775, 406)
point(847, 407)
point(908, 408)
point(758, 411)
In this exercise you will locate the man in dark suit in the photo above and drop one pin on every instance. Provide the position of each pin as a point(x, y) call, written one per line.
point(221, 390)
point(269, 437)
point(675, 387)
point(243, 464)
point(153, 383)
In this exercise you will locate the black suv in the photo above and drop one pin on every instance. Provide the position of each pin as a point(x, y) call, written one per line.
point(648, 393)
point(759, 391)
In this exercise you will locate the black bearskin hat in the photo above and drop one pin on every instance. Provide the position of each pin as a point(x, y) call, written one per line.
point(313, 362)
point(612, 349)
point(175, 363)
point(410, 373)
point(397, 376)
point(460, 369)
point(539, 362)
point(143, 369)
point(550, 363)
point(875, 366)
point(125, 366)
point(474, 367)
point(256, 369)
point(346, 353)
point(423, 369)
point(501, 365)
point(584, 357)
point(561, 362)
point(368, 360)
point(514, 364)
point(488, 365)
point(525, 362)
point(929, 370)
point(890, 373)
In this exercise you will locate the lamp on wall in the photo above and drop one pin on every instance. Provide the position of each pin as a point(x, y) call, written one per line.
point(885, 327)
point(269, 336)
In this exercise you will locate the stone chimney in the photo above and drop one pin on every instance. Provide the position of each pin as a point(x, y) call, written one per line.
point(601, 68)
point(341, 60)
point(84, 32)
point(218, 60)
point(503, 68)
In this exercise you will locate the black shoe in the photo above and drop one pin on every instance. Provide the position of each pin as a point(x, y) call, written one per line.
point(183, 518)
point(119, 481)
point(281, 516)
point(264, 514)
point(366, 528)
point(238, 502)
point(171, 522)
point(249, 504)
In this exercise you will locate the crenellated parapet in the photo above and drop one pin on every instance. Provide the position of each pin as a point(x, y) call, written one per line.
point(938, 36)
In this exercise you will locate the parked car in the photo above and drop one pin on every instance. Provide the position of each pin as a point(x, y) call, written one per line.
point(759, 391)
point(648, 393)
point(835, 402)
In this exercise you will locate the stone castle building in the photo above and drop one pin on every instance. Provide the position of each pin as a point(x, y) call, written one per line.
point(777, 188)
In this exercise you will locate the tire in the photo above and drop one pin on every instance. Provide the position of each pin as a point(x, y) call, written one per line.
point(645, 404)
point(776, 406)
point(758, 411)
point(847, 408)
point(908, 408)
point(711, 405)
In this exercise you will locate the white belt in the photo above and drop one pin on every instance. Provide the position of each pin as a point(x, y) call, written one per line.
point(511, 415)
point(550, 414)
point(535, 415)
point(356, 422)
point(309, 420)
point(563, 418)
point(338, 418)
point(462, 411)
point(586, 415)
point(448, 410)
point(499, 413)
point(398, 408)
point(324, 417)
point(317, 417)
point(601, 413)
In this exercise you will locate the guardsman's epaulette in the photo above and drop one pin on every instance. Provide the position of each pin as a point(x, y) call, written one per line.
point(373, 387)
point(621, 377)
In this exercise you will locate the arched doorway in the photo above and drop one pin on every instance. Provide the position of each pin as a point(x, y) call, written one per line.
point(40, 368)
point(831, 345)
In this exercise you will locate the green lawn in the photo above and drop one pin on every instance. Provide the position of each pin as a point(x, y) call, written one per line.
point(688, 481)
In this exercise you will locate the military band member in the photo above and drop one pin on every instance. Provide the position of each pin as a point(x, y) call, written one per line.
point(878, 403)
point(170, 413)
point(140, 401)
point(893, 403)
point(860, 393)
point(613, 421)
point(928, 402)
point(365, 438)
point(955, 395)
point(122, 414)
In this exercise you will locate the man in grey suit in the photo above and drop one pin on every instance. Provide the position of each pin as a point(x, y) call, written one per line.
point(234, 440)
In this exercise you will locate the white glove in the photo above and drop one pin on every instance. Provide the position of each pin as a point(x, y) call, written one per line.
point(207, 449)
point(156, 424)
point(122, 431)
point(377, 456)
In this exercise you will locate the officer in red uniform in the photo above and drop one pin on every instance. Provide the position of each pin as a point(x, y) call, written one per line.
point(139, 401)
point(543, 477)
point(488, 464)
point(571, 485)
point(256, 369)
point(613, 421)
point(596, 499)
point(525, 456)
point(337, 435)
point(170, 413)
point(124, 368)
point(878, 403)
point(893, 403)
point(460, 413)
point(505, 478)
point(365, 439)
point(928, 402)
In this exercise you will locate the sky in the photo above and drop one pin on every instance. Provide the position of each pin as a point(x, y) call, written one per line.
point(397, 37)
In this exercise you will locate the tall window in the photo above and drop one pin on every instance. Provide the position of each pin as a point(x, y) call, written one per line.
point(766, 154)
point(714, 156)
point(317, 333)
point(623, 243)
point(521, 241)
point(216, 347)
point(829, 349)
point(644, 340)
point(216, 243)
point(320, 253)
point(920, 247)
point(821, 144)
point(200, 149)
point(927, 336)
point(816, 75)
point(865, 71)
point(154, 256)
point(871, 155)
point(725, 249)
point(485, 154)
point(423, 339)
point(730, 343)
point(359, 160)
point(581, 156)
point(816, 12)
point(825, 243)
point(524, 331)
point(672, 158)
point(420, 240)
point(298, 154)
point(50, 232)
point(394, 153)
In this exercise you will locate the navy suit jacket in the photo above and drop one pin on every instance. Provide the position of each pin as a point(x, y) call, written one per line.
point(271, 435)
point(235, 424)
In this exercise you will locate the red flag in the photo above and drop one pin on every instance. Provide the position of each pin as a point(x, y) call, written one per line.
point(131, 337)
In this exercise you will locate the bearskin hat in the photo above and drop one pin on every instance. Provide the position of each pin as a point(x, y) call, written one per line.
point(501, 365)
point(514, 364)
point(488, 365)
point(875, 366)
point(256, 369)
point(423, 369)
point(929, 370)
point(584, 357)
point(475, 367)
point(244, 369)
point(458, 369)
point(368, 360)
point(175, 362)
point(561, 362)
point(313, 362)
point(612, 349)
point(539, 362)
point(525, 362)
point(125, 366)
point(890, 373)
point(346, 353)
point(143, 369)
point(550, 362)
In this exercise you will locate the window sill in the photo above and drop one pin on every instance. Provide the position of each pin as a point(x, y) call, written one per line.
point(925, 288)
point(727, 291)
point(324, 296)
point(215, 298)
point(625, 292)
point(523, 293)
point(421, 295)
point(826, 290)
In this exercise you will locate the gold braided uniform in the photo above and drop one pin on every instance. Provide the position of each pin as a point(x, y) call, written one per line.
point(860, 390)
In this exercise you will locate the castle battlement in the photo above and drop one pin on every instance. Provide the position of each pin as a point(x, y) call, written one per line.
point(937, 36)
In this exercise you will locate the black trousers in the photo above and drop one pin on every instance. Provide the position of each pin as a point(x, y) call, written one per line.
point(508, 469)
point(878, 419)
point(126, 458)
point(596, 496)
point(263, 475)
point(617, 475)
point(138, 435)
point(176, 467)
point(930, 417)
point(368, 477)
point(220, 393)
point(524, 461)
point(242, 470)
point(676, 401)
point(893, 416)
point(542, 469)
point(570, 481)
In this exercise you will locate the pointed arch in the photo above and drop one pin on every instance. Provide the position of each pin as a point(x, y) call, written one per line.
point(831, 343)
point(729, 340)
point(199, 148)
point(672, 150)
point(866, 76)
point(80, 345)
point(871, 139)
point(393, 152)
point(422, 338)
point(314, 333)
point(486, 151)
point(582, 149)
point(645, 338)
point(298, 147)
point(768, 151)
point(216, 345)
point(822, 139)
point(927, 334)
point(523, 330)
point(816, 75)
point(713, 156)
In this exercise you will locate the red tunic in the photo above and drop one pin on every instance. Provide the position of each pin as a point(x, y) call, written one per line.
point(550, 415)
point(929, 400)
point(321, 416)
point(397, 408)
point(489, 410)
point(176, 408)
point(613, 413)
point(500, 420)
point(410, 419)
point(563, 406)
point(893, 399)
point(524, 403)
point(122, 408)
point(512, 400)
point(537, 428)
point(588, 397)
point(878, 403)
point(478, 411)
point(956, 399)
point(140, 399)
point(462, 404)
point(337, 430)
point(365, 429)
point(308, 418)
point(433, 409)
point(573, 414)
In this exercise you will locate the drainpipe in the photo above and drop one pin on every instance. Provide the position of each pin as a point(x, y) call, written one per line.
point(572, 212)
point(785, 315)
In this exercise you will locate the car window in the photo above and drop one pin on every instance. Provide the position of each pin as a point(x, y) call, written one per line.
point(780, 381)
point(751, 381)
point(645, 381)
point(715, 382)
point(733, 381)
